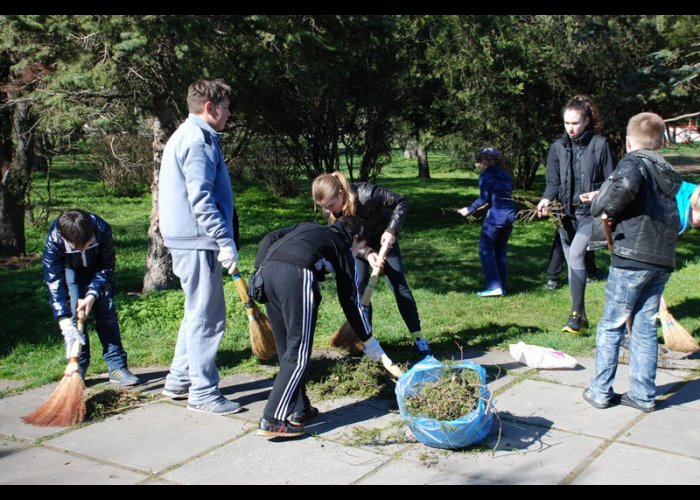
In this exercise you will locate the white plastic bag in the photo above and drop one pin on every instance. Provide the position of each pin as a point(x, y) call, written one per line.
point(536, 356)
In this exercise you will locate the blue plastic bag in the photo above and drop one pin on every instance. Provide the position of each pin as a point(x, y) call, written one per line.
point(447, 434)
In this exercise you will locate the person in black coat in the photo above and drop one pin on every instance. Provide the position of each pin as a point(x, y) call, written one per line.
point(383, 213)
point(577, 165)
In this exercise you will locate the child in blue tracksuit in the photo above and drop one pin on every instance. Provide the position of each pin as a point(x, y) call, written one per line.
point(495, 193)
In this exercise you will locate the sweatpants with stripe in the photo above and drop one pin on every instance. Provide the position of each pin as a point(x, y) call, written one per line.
point(292, 308)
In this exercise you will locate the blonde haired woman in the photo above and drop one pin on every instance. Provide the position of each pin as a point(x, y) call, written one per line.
point(383, 213)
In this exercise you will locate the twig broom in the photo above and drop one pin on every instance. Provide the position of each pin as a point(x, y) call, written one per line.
point(676, 338)
point(65, 406)
point(262, 342)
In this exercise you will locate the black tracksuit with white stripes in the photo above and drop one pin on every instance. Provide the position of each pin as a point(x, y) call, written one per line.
point(291, 273)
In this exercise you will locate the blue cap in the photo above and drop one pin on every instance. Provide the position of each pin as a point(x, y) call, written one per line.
point(493, 153)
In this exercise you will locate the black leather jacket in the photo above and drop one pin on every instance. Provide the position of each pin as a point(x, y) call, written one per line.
point(596, 164)
point(380, 209)
point(93, 266)
point(641, 200)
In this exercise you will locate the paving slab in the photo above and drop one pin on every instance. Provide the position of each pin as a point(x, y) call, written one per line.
point(6, 385)
point(251, 391)
point(7, 448)
point(623, 464)
point(14, 407)
point(581, 376)
point(525, 454)
point(371, 424)
point(564, 406)
point(255, 459)
point(151, 438)
point(668, 428)
point(687, 396)
point(48, 467)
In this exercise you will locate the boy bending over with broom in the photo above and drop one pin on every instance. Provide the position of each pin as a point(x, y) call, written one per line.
point(638, 199)
point(79, 271)
point(292, 261)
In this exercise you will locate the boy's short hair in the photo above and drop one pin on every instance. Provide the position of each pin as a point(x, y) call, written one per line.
point(76, 227)
point(647, 129)
point(352, 225)
point(202, 91)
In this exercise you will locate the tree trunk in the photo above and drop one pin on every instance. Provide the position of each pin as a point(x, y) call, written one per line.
point(14, 175)
point(159, 262)
point(422, 156)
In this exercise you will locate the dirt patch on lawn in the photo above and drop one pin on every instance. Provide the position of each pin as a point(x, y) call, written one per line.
point(18, 262)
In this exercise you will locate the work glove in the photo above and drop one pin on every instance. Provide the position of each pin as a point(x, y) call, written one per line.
point(373, 350)
point(70, 334)
point(228, 256)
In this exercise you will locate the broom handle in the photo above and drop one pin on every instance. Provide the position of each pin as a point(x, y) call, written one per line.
point(607, 228)
point(372, 282)
point(241, 287)
point(76, 347)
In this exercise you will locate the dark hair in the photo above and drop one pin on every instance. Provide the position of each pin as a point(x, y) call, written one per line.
point(202, 91)
point(76, 227)
point(352, 225)
point(584, 105)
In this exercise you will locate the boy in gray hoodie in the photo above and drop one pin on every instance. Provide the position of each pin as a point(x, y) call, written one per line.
point(639, 199)
point(196, 213)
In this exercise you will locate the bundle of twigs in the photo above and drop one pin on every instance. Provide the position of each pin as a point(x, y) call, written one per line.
point(555, 211)
point(452, 396)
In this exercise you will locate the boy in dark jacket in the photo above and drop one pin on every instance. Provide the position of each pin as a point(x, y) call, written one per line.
point(79, 271)
point(292, 261)
point(640, 202)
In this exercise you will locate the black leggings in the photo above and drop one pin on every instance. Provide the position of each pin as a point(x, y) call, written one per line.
point(393, 272)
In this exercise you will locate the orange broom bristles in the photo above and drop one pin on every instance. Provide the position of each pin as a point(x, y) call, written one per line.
point(676, 338)
point(65, 406)
point(262, 341)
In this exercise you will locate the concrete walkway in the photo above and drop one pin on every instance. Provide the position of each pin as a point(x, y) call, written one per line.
point(546, 434)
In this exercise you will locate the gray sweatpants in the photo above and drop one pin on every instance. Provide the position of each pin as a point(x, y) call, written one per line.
point(202, 327)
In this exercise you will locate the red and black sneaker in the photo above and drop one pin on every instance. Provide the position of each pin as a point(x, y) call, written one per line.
point(300, 418)
point(278, 428)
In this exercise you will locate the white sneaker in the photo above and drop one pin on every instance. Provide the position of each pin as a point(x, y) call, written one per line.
point(495, 292)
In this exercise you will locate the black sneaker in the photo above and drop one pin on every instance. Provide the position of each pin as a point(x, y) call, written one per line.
point(278, 428)
point(625, 400)
point(553, 285)
point(577, 324)
point(300, 418)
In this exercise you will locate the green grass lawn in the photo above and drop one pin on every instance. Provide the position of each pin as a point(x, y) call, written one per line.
point(440, 255)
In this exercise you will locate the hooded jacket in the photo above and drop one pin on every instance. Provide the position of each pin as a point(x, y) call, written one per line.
point(93, 266)
point(322, 249)
point(596, 164)
point(641, 200)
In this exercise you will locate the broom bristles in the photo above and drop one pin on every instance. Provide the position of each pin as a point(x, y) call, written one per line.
point(676, 337)
point(262, 341)
point(346, 338)
point(65, 406)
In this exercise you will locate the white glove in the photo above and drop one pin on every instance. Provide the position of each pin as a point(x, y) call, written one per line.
point(373, 350)
point(70, 334)
point(228, 256)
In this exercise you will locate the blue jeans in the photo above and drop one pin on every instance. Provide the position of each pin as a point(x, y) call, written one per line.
point(106, 325)
point(635, 293)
